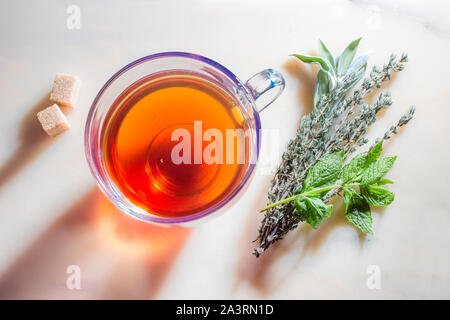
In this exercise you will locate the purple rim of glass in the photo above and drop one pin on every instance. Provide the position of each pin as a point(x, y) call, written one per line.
point(93, 155)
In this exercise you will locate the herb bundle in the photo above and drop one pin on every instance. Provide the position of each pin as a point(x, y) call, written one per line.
point(337, 125)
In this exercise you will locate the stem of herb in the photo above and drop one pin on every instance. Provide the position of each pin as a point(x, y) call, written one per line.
point(309, 193)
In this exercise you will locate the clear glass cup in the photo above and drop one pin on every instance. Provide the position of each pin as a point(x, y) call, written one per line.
point(252, 96)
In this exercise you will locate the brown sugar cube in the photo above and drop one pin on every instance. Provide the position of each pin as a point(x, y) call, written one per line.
point(53, 121)
point(65, 90)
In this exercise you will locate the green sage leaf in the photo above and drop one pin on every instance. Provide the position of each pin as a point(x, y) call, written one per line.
point(345, 59)
point(324, 85)
point(359, 63)
point(326, 54)
point(377, 170)
point(377, 196)
point(324, 64)
point(357, 210)
point(325, 172)
point(312, 210)
point(358, 68)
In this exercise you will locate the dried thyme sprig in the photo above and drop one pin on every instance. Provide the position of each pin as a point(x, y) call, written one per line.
point(336, 123)
point(401, 122)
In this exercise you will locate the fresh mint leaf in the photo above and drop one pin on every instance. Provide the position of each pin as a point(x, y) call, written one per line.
point(300, 205)
point(383, 181)
point(374, 153)
point(345, 59)
point(325, 172)
point(377, 170)
point(324, 64)
point(312, 210)
point(348, 194)
point(353, 169)
point(326, 54)
point(357, 210)
point(377, 196)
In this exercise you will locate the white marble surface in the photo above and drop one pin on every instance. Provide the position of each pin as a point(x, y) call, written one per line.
point(52, 215)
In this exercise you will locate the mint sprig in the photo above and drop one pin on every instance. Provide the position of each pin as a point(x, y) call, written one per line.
point(360, 179)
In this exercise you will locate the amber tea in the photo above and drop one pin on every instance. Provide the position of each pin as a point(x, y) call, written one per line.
point(173, 144)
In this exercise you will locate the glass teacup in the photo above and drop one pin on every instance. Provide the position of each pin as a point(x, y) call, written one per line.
point(153, 92)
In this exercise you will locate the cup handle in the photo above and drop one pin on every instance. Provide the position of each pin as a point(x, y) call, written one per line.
point(267, 84)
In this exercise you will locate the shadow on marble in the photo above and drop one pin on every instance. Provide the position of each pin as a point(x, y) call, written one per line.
point(276, 265)
point(119, 257)
point(32, 141)
point(249, 268)
point(252, 270)
point(306, 76)
point(260, 272)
